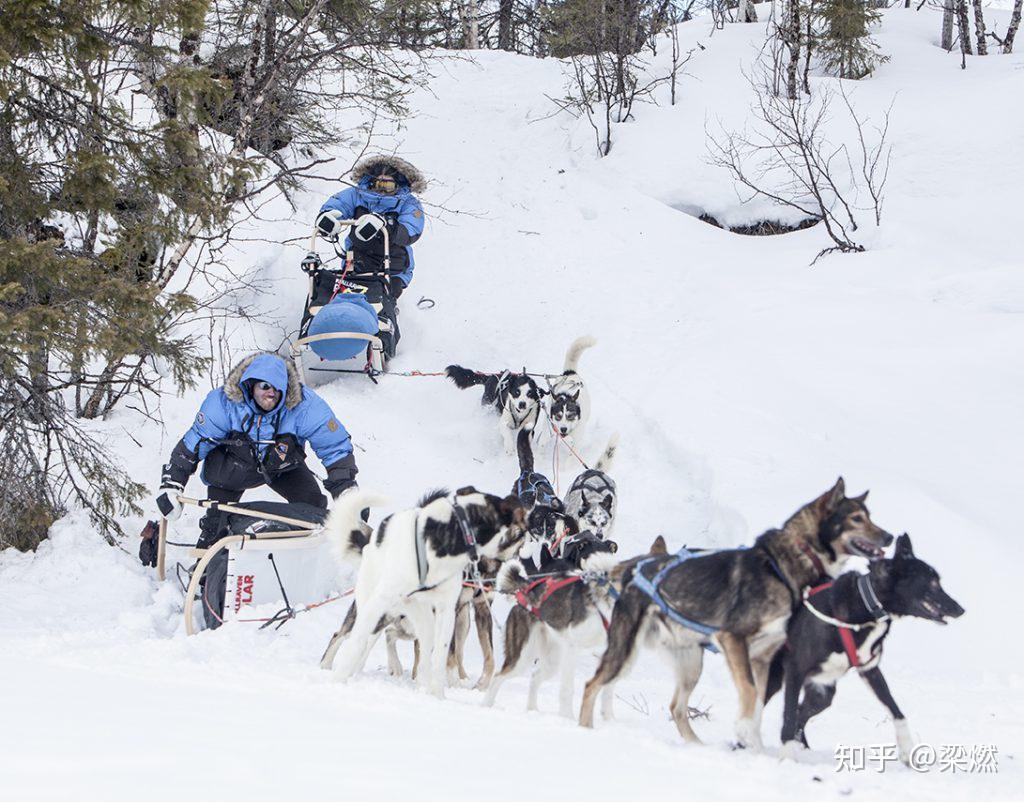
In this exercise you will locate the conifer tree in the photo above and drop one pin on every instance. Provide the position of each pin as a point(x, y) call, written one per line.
point(844, 42)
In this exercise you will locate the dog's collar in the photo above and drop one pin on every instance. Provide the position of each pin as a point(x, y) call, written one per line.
point(870, 598)
point(819, 566)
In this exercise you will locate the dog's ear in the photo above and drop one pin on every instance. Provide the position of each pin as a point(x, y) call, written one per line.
point(465, 491)
point(612, 546)
point(607, 502)
point(658, 546)
point(862, 497)
point(576, 396)
point(829, 501)
point(904, 548)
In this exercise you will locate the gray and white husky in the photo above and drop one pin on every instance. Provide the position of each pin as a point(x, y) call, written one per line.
point(592, 500)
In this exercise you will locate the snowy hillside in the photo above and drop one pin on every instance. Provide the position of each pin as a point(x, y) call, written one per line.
point(742, 382)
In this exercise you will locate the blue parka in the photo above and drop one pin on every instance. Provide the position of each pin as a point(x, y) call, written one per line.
point(300, 413)
point(400, 209)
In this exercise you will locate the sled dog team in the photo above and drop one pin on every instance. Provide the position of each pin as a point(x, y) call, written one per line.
point(782, 612)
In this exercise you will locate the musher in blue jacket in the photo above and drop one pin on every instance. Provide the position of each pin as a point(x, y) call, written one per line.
point(252, 432)
point(382, 198)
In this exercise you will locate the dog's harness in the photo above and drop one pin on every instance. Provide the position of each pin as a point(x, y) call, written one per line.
point(462, 519)
point(534, 488)
point(846, 629)
point(553, 584)
point(651, 588)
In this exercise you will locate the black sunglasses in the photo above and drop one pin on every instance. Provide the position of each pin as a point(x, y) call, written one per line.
point(264, 387)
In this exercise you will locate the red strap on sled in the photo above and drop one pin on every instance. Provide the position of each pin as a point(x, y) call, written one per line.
point(550, 586)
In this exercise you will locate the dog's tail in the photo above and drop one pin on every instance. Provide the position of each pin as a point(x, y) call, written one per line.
point(511, 577)
point(345, 529)
point(525, 451)
point(607, 459)
point(572, 356)
point(464, 377)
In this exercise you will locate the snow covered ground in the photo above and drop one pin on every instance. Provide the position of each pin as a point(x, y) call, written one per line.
point(742, 382)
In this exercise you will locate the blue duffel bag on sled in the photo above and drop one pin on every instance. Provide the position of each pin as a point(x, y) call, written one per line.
point(347, 312)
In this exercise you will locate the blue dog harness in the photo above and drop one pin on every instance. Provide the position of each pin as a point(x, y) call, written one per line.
point(651, 588)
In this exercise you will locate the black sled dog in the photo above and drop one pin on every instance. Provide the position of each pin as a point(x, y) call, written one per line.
point(842, 625)
point(735, 600)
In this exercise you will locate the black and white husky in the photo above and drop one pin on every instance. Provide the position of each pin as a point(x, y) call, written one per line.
point(842, 625)
point(557, 616)
point(568, 402)
point(413, 567)
point(515, 396)
point(591, 500)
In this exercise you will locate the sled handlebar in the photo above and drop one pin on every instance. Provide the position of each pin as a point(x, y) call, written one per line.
point(305, 526)
point(384, 231)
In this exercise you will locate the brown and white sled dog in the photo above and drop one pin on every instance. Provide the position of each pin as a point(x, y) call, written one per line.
point(475, 602)
point(556, 617)
point(568, 402)
point(745, 596)
point(413, 567)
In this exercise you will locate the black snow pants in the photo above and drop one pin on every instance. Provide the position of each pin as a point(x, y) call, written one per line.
point(296, 485)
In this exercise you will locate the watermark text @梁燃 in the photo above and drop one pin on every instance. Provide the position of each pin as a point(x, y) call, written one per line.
point(945, 758)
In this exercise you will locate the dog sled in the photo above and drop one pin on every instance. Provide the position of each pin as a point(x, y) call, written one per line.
point(264, 558)
point(346, 317)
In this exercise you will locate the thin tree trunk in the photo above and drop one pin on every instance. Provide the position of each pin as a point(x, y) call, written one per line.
point(470, 25)
point(505, 25)
point(963, 28)
point(1012, 30)
point(746, 11)
point(793, 42)
point(808, 46)
point(979, 28)
point(947, 25)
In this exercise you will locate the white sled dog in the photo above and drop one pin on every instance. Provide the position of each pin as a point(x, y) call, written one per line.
point(568, 405)
point(592, 499)
point(413, 567)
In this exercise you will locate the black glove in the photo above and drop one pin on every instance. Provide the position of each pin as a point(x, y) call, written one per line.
point(396, 287)
point(167, 502)
point(150, 544)
point(341, 475)
point(312, 263)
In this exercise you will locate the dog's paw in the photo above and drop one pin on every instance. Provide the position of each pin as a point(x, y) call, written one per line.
point(748, 734)
point(905, 741)
point(793, 750)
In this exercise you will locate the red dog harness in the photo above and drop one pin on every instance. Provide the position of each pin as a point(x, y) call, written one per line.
point(845, 630)
point(551, 585)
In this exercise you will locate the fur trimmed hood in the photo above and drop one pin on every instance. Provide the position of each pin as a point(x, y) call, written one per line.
point(274, 368)
point(369, 166)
